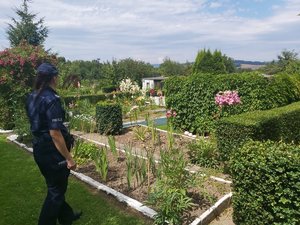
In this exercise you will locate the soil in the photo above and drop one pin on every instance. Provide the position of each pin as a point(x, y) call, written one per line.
point(205, 193)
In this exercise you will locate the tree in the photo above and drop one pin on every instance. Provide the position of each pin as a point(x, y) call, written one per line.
point(34, 33)
point(287, 62)
point(229, 64)
point(215, 63)
point(171, 68)
point(286, 57)
point(218, 63)
point(133, 69)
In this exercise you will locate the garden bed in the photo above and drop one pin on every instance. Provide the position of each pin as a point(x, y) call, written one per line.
point(204, 194)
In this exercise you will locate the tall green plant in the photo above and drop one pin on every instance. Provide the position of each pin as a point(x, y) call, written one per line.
point(140, 169)
point(112, 145)
point(170, 192)
point(83, 151)
point(129, 165)
point(101, 162)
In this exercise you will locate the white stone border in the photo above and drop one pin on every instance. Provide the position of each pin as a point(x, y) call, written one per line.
point(210, 214)
point(121, 197)
point(5, 131)
point(13, 138)
point(203, 219)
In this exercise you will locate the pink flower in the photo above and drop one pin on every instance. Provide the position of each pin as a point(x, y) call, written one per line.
point(174, 114)
point(227, 98)
point(22, 62)
point(169, 114)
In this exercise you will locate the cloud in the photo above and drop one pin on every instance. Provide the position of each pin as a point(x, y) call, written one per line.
point(215, 5)
point(152, 30)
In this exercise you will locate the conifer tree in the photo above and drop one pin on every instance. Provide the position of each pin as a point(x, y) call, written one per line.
point(214, 63)
point(26, 29)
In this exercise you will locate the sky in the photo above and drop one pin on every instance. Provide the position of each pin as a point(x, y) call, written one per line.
point(152, 30)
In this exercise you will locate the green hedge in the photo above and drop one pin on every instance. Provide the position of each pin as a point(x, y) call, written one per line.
point(277, 124)
point(193, 97)
point(93, 99)
point(109, 89)
point(266, 187)
point(6, 115)
point(109, 118)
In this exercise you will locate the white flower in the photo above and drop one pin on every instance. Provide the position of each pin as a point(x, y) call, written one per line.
point(128, 86)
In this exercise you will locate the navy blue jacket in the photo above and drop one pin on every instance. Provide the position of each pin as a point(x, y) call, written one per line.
point(45, 112)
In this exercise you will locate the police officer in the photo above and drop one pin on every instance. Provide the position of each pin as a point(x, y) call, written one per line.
point(50, 150)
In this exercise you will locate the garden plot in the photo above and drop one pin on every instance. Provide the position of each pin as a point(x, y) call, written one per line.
point(129, 171)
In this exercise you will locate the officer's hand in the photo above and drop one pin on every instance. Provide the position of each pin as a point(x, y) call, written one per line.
point(71, 164)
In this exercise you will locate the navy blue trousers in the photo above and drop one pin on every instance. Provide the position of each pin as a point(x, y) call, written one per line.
point(55, 208)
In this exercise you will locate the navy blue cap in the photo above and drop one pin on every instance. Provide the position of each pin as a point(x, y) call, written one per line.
point(47, 69)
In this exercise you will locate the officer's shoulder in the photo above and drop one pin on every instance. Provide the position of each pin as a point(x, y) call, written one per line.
point(50, 96)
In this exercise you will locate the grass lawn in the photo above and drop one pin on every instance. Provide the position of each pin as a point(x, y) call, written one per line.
point(162, 127)
point(22, 191)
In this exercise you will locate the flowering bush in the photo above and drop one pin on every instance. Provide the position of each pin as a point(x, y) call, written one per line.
point(17, 73)
point(129, 86)
point(227, 98)
point(17, 65)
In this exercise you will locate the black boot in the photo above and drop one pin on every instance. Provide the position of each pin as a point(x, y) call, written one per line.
point(76, 216)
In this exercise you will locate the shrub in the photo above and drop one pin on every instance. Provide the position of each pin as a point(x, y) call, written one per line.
point(93, 99)
point(6, 115)
point(22, 127)
point(193, 97)
point(84, 152)
point(109, 89)
point(276, 124)
point(204, 153)
point(266, 184)
point(17, 73)
point(109, 118)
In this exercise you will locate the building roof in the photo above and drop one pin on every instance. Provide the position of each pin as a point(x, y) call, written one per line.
point(154, 78)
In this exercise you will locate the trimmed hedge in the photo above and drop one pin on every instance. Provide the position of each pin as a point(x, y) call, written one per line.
point(93, 99)
point(192, 97)
point(109, 89)
point(266, 187)
point(109, 118)
point(279, 124)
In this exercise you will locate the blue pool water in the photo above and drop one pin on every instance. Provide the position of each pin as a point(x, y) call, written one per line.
point(157, 121)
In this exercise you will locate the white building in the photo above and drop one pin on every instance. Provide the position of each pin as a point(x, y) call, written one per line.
point(152, 83)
